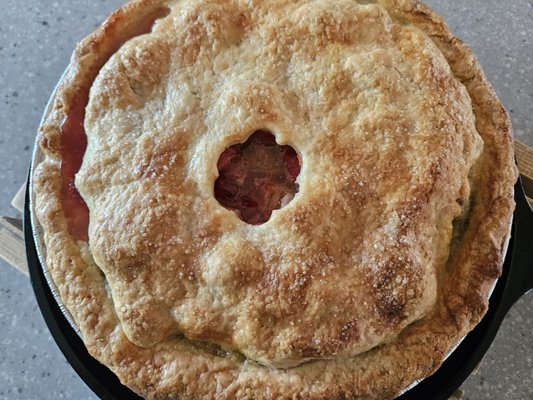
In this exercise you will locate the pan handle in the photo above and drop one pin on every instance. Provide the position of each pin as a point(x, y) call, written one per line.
point(521, 272)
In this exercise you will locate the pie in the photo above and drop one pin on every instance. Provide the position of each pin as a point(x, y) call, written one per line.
point(274, 199)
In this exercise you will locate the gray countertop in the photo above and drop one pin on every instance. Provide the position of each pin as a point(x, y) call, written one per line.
point(36, 40)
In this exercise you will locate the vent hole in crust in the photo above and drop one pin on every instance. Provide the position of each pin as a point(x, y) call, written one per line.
point(257, 177)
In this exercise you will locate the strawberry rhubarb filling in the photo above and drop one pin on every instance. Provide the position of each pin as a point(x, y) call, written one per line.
point(73, 145)
point(257, 177)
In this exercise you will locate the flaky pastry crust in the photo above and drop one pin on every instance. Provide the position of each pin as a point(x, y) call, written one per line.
point(357, 288)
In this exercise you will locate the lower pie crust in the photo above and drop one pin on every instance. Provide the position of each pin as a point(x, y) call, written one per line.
point(330, 329)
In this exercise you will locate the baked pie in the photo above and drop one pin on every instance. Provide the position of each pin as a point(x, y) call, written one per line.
point(274, 199)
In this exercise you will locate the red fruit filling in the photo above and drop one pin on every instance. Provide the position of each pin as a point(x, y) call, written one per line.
point(73, 145)
point(257, 177)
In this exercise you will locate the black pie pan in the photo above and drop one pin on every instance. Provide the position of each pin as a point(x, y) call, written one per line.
point(516, 280)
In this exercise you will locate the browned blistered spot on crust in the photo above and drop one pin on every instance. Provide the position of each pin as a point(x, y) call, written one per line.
point(349, 331)
point(49, 138)
point(389, 303)
point(329, 30)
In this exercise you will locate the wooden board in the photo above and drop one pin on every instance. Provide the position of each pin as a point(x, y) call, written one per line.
point(18, 200)
point(12, 248)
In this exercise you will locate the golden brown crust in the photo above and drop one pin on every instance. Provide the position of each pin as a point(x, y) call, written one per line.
point(274, 293)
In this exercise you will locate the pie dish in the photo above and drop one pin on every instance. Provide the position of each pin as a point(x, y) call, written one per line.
point(354, 285)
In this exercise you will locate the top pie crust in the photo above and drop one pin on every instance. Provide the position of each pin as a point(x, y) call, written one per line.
point(358, 287)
